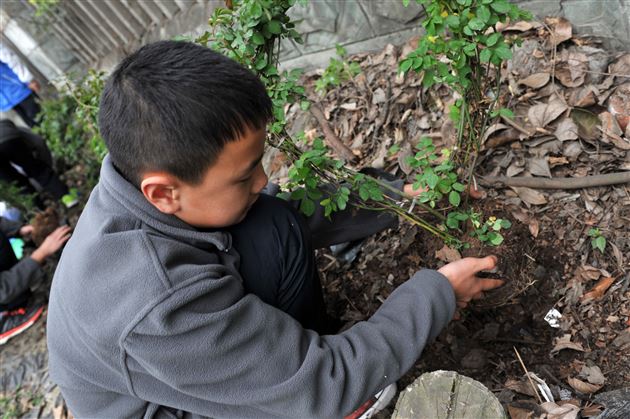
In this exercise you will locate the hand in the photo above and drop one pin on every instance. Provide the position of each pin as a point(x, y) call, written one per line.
point(462, 276)
point(26, 230)
point(34, 86)
point(51, 244)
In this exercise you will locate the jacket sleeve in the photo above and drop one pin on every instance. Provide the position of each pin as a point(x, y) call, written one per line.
point(248, 359)
point(15, 64)
point(350, 224)
point(16, 280)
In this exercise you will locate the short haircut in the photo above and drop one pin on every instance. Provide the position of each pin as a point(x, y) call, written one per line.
point(172, 106)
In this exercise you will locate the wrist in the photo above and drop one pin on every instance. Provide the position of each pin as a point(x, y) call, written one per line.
point(39, 256)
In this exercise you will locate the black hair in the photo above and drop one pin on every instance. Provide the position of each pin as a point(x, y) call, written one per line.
point(172, 106)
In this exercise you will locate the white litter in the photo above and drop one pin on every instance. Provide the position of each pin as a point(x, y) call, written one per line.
point(553, 317)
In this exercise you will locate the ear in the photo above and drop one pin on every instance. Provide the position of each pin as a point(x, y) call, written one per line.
point(161, 190)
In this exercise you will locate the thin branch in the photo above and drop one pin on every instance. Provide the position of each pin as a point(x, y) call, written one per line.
point(558, 183)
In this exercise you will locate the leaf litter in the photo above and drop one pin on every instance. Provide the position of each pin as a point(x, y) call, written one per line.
point(558, 86)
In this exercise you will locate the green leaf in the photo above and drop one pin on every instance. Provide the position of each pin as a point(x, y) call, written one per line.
point(483, 13)
point(307, 207)
point(431, 178)
point(503, 52)
point(298, 194)
point(451, 222)
point(459, 187)
point(593, 232)
point(476, 24)
point(305, 105)
point(501, 6)
point(405, 65)
point(495, 238)
point(599, 243)
point(364, 192)
point(405, 3)
point(452, 21)
point(454, 198)
point(506, 113)
point(274, 27)
point(485, 55)
point(341, 202)
point(257, 38)
point(493, 39)
point(506, 224)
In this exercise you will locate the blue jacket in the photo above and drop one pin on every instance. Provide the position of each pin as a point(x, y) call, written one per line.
point(12, 90)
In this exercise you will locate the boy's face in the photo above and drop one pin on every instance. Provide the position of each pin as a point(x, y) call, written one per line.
point(228, 190)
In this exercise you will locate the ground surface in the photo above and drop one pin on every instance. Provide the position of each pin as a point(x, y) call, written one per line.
point(547, 258)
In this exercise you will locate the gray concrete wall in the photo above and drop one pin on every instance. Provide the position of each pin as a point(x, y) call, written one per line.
point(359, 25)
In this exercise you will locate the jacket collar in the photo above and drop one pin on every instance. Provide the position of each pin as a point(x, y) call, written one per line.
point(134, 201)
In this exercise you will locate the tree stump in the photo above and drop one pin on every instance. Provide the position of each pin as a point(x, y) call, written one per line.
point(447, 395)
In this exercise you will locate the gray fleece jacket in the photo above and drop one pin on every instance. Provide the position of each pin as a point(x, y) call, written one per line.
point(148, 318)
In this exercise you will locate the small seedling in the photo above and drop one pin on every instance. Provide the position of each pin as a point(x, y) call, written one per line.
point(337, 72)
point(597, 240)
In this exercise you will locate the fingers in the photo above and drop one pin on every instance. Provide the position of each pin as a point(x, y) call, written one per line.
point(478, 296)
point(488, 284)
point(462, 304)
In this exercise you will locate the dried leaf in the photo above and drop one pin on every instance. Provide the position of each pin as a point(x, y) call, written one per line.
point(617, 254)
point(584, 96)
point(352, 106)
point(621, 66)
point(514, 169)
point(560, 30)
point(619, 105)
point(535, 81)
point(557, 161)
point(582, 387)
point(520, 26)
point(520, 413)
point(542, 114)
point(520, 386)
point(448, 254)
point(598, 290)
point(566, 411)
point(378, 96)
point(565, 343)
point(587, 123)
point(573, 69)
point(534, 227)
point(539, 167)
point(593, 375)
point(567, 130)
point(530, 196)
point(404, 153)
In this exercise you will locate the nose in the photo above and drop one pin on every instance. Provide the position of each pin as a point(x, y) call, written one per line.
point(261, 180)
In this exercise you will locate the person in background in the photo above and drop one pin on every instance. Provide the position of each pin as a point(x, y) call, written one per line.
point(20, 147)
point(18, 309)
point(18, 89)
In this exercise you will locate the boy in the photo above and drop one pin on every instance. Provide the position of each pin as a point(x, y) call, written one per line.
point(184, 291)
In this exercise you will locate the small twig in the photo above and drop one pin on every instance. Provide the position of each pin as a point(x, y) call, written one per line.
point(528, 377)
point(516, 126)
point(331, 138)
point(558, 183)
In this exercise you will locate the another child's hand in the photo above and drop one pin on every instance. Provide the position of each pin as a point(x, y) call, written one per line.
point(51, 244)
point(26, 230)
point(462, 276)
